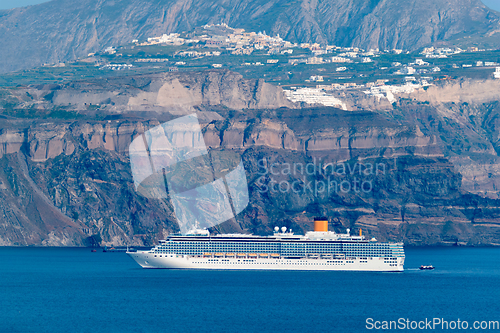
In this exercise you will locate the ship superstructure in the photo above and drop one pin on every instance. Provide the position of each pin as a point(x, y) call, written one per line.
point(316, 250)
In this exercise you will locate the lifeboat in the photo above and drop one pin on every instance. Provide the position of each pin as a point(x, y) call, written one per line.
point(253, 255)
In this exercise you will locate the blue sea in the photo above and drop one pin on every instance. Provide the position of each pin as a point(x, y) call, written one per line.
point(75, 290)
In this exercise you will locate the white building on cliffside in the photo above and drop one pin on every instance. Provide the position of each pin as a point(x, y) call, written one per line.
point(496, 74)
point(390, 91)
point(314, 96)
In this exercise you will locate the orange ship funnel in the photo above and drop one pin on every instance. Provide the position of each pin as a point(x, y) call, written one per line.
point(361, 232)
point(321, 224)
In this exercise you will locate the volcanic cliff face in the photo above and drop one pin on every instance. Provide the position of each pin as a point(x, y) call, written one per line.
point(421, 171)
point(462, 114)
point(62, 30)
point(70, 183)
point(153, 92)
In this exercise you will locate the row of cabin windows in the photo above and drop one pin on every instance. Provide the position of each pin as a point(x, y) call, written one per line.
point(371, 245)
point(189, 247)
point(348, 253)
point(294, 246)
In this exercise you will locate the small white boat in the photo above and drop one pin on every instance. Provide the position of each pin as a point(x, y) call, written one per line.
point(426, 267)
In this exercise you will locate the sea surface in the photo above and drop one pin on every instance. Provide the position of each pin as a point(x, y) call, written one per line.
point(75, 290)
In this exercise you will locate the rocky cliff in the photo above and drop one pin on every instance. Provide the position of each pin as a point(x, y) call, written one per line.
point(151, 92)
point(62, 30)
point(70, 183)
point(462, 114)
point(422, 169)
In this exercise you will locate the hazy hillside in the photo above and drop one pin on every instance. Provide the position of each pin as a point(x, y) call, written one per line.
point(64, 29)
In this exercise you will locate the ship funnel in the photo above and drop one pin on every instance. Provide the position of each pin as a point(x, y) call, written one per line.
point(321, 224)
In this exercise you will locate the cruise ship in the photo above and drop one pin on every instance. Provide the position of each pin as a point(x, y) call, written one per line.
point(316, 250)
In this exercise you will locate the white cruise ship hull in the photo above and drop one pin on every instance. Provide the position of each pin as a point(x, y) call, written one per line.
point(149, 259)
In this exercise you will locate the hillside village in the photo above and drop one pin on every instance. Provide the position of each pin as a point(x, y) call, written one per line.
point(308, 72)
point(212, 41)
